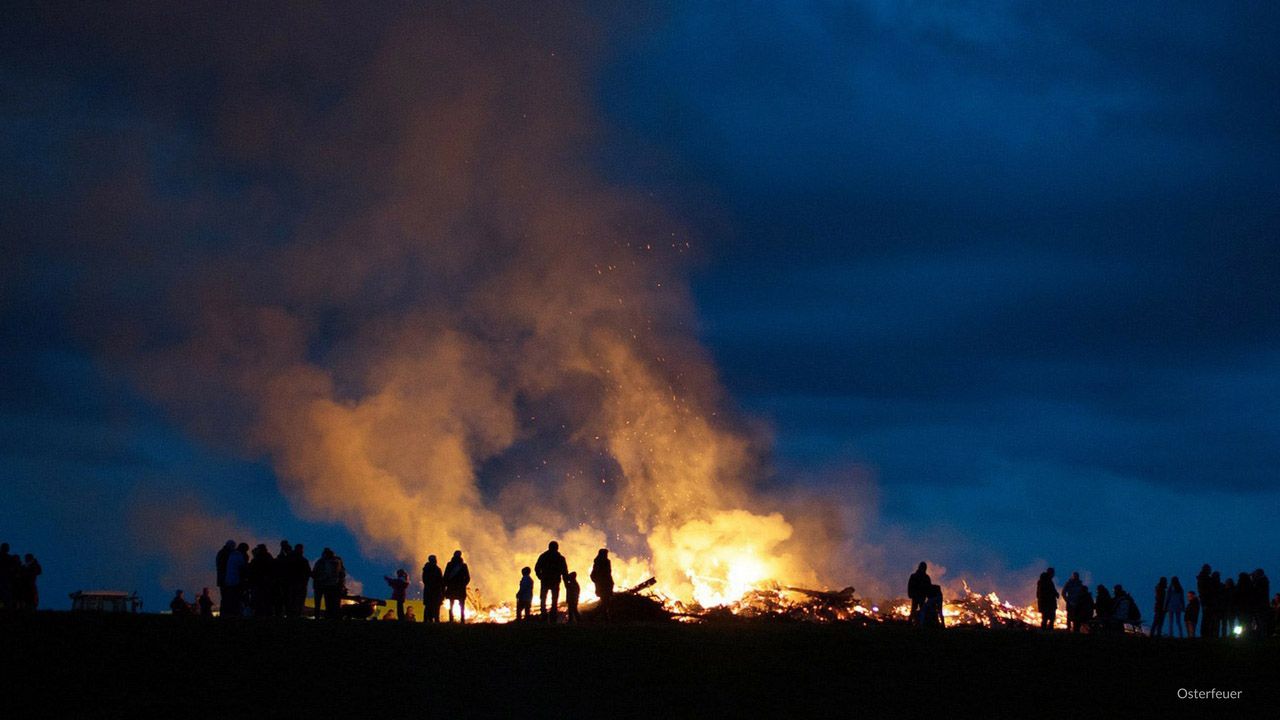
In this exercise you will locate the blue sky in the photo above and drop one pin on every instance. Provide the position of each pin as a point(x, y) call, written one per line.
point(1015, 261)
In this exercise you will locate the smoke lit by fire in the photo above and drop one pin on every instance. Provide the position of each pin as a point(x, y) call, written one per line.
point(434, 317)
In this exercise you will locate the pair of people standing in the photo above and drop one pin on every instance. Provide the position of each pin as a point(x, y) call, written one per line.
point(447, 584)
point(551, 568)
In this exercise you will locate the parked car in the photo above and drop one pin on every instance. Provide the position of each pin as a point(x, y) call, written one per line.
point(107, 601)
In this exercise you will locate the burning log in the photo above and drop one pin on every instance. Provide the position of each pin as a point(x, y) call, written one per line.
point(631, 605)
point(642, 586)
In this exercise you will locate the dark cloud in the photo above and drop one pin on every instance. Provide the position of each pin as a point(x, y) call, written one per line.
point(989, 250)
point(1002, 256)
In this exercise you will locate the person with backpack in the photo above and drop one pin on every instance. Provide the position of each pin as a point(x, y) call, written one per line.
point(1126, 610)
point(329, 577)
point(456, 579)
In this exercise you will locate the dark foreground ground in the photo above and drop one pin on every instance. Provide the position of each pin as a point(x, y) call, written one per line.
point(65, 665)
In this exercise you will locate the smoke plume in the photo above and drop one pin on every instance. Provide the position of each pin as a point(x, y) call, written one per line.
point(406, 285)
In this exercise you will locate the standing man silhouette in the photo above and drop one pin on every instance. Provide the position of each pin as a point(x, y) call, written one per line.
point(918, 590)
point(1047, 599)
point(550, 568)
point(432, 590)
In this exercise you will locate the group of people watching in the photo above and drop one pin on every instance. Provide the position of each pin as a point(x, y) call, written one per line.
point(257, 584)
point(1242, 606)
point(1102, 611)
point(1237, 606)
point(926, 599)
point(438, 586)
point(18, 575)
point(551, 569)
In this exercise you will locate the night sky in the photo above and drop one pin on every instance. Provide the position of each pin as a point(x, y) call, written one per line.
point(1012, 266)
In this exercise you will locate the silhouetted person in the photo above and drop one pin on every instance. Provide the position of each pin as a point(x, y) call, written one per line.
point(1157, 618)
point(456, 579)
point(1072, 590)
point(31, 570)
point(550, 569)
point(1262, 590)
point(571, 592)
point(1204, 586)
point(918, 591)
point(1227, 608)
point(328, 577)
point(1275, 612)
point(602, 578)
point(220, 564)
point(179, 607)
point(262, 581)
point(1083, 611)
point(1174, 605)
point(1215, 603)
point(236, 580)
point(205, 604)
point(1193, 613)
point(1047, 599)
point(524, 595)
point(931, 610)
point(1103, 607)
point(1126, 610)
point(1244, 606)
point(280, 581)
point(298, 576)
point(7, 578)
point(432, 590)
point(399, 588)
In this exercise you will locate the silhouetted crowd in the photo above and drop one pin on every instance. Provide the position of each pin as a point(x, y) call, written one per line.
point(257, 584)
point(1243, 606)
point(1238, 606)
point(18, 576)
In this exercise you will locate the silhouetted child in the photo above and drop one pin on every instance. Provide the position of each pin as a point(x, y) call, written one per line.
point(1193, 613)
point(524, 595)
point(205, 602)
point(178, 606)
point(399, 586)
point(571, 592)
point(931, 611)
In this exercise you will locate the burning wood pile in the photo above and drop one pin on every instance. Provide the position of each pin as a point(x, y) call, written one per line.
point(773, 602)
